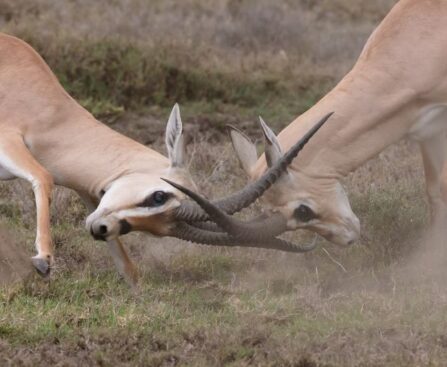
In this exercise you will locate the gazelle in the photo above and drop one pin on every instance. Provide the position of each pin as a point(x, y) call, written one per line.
point(396, 89)
point(47, 138)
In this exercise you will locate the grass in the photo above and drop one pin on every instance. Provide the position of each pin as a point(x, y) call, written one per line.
point(204, 323)
point(226, 54)
point(379, 303)
point(111, 76)
point(202, 306)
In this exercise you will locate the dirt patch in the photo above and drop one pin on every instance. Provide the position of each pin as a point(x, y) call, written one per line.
point(15, 264)
point(377, 347)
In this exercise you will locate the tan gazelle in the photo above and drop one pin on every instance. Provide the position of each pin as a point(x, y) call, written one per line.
point(397, 89)
point(47, 138)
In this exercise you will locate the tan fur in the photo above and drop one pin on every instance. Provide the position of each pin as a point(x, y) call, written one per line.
point(392, 92)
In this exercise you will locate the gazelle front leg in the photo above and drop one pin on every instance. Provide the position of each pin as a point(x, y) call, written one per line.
point(17, 159)
point(122, 261)
point(434, 158)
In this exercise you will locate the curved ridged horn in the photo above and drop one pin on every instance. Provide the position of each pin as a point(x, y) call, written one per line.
point(242, 231)
point(213, 227)
point(191, 212)
point(189, 233)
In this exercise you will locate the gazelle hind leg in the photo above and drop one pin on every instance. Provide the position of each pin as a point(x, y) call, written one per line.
point(120, 257)
point(433, 152)
point(16, 159)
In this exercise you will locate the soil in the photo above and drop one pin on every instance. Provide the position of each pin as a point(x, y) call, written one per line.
point(15, 263)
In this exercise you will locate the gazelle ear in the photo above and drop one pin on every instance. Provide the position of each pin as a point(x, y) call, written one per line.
point(174, 138)
point(244, 148)
point(272, 147)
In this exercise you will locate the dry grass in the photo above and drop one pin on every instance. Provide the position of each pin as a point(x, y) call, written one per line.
point(373, 304)
point(129, 54)
point(379, 303)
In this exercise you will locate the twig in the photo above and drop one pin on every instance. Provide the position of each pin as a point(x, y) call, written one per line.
point(334, 261)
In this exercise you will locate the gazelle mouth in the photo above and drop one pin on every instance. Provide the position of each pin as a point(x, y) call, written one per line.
point(103, 229)
point(193, 216)
point(125, 227)
point(97, 236)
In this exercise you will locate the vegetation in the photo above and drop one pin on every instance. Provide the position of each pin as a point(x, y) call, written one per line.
point(260, 56)
point(381, 302)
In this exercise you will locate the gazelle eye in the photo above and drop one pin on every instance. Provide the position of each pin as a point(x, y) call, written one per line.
point(156, 199)
point(304, 214)
point(159, 197)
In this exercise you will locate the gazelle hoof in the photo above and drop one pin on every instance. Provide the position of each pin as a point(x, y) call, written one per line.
point(42, 266)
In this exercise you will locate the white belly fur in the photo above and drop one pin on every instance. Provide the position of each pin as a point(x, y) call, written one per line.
point(431, 122)
point(5, 174)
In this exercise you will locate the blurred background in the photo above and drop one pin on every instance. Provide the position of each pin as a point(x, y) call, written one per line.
point(277, 57)
point(380, 302)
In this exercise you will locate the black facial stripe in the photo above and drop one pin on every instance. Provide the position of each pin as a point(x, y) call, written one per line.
point(157, 198)
point(304, 214)
point(125, 227)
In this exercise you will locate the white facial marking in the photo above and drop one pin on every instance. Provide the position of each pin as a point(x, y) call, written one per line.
point(146, 211)
point(344, 208)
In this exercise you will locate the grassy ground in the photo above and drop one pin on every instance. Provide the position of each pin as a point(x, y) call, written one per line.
point(380, 303)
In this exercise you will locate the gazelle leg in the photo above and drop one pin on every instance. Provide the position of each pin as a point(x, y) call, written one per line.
point(120, 257)
point(17, 159)
point(434, 158)
point(122, 261)
point(444, 184)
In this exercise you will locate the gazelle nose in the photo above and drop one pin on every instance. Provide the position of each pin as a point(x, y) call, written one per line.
point(102, 229)
point(99, 230)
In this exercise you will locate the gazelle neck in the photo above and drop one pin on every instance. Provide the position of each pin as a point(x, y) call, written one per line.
point(400, 75)
point(370, 114)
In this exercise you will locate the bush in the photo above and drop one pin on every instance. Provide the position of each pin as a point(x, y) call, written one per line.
point(118, 74)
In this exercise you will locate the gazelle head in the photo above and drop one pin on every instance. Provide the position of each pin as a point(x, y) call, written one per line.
point(140, 200)
point(318, 204)
point(154, 200)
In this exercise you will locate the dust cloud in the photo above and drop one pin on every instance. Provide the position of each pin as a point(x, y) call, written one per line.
point(429, 260)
